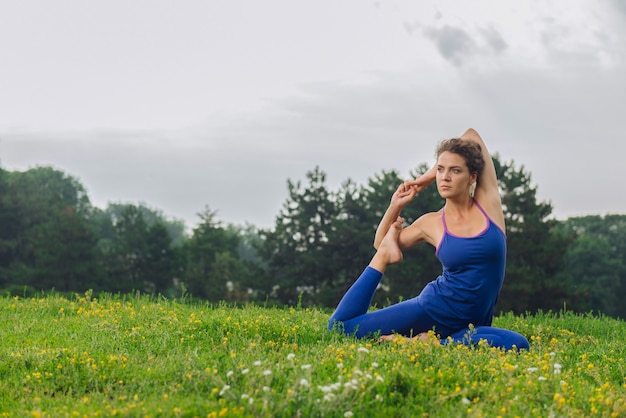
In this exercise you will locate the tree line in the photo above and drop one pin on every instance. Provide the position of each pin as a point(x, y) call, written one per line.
point(53, 238)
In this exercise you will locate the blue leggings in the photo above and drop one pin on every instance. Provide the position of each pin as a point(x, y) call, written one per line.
point(407, 318)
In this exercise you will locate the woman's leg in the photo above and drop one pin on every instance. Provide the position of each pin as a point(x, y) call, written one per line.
point(407, 318)
point(495, 337)
point(358, 298)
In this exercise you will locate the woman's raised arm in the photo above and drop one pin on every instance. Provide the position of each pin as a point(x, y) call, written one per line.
point(487, 192)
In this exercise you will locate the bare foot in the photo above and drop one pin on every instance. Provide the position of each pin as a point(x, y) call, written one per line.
point(395, 337)
point(389, 337)
point(388, 251)
point(422, 336)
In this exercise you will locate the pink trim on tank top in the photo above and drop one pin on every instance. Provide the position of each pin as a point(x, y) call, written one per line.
point(445, 227)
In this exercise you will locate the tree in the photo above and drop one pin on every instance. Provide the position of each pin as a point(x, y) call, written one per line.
point(8, 229)
point(350, 241)
point(50, 242)
point(137, 254)
point(359, 225)
point(211, 259)
point(343, 244)
point(594, 269)
point(124, 252)
point(534, 253)
point(254, 283)
point(159, 265)
point(174, 227)
point(298, 251)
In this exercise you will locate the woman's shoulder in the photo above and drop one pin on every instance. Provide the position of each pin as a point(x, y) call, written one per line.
point(426, 228)
point(429, 218)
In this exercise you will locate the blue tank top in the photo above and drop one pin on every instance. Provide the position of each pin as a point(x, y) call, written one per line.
point(473, 271)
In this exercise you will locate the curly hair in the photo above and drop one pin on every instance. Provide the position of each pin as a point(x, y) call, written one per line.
point(469, 150)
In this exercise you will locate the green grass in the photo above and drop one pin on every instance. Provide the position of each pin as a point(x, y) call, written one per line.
point(149, 357)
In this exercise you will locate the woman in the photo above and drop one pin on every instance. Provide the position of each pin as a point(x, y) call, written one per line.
point(469, 238)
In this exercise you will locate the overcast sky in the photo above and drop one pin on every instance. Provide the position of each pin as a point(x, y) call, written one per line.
point(184, 104)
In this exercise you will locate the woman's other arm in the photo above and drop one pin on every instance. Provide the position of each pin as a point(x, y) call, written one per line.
point(400, 198)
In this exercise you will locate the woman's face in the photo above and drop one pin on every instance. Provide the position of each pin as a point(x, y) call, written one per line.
point(453, 176)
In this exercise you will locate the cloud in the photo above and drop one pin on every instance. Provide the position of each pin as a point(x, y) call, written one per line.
point(560, 125)
point(454, 44)
point(620, 6)
point(494, 39)
point(460, 46)
point(545, 92)
point(556, 123)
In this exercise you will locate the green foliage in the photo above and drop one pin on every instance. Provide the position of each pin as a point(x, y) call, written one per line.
point(46, 240)
point(52, 238)
point(299, 249)
point(136, 250)
point(146, 356)
point(323, 239)
point(213, 270)
point(534, 254)
point(594, 270)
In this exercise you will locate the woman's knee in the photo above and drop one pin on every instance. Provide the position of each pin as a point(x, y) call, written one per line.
point(520, 342)
point(507, 339)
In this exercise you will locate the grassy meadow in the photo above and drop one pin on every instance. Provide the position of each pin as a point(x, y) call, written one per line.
point(139, 356)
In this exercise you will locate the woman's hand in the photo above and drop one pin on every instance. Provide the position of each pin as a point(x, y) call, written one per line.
point(403, 195)
point(421, 182)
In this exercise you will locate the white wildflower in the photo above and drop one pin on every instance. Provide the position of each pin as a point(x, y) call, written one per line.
point(291, 356)
point(352, 384)
point(532, 369)
point(348, 414)
point(267, 373)
point(374, 364)
point(304, 382)
point(340, 365)
point(466, 401)
point(380, 378)
point(324, 389)
point(245, 371)
point(230, 373)
point(305, 366)
point(363, 350)
point(541, 378)
point(224, 389)
point(257, 363)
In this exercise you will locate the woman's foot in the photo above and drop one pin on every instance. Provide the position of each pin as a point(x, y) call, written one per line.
point(425, 337)
point(388, 251)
